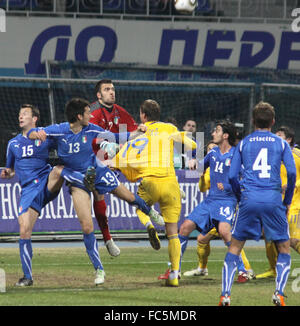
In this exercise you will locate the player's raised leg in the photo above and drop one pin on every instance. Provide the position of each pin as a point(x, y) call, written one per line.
point(152, 233)
point(135, 200)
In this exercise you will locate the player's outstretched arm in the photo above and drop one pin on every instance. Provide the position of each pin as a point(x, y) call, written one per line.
point(37, 134)
point(183, 137)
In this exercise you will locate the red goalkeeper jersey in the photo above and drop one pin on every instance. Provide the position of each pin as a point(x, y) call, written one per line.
point(110, 120)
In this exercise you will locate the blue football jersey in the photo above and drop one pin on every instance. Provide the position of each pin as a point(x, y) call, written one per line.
point(260, 154)
point(75, 150)
point(219, 170)
point(29, 158)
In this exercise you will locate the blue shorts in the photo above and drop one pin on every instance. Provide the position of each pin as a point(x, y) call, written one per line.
point(36, 195)
point(259, 210)
point(209, 213)
point(106, 181)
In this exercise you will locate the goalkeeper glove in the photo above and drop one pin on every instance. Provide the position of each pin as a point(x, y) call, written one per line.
point(110, 148)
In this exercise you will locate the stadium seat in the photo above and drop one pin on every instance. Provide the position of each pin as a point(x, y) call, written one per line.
point(204, 8)
point(15, 4)
point(109, 6)
point(140, 6)
point(113, 6)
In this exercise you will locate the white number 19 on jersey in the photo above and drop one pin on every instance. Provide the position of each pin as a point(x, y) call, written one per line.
point(261, 164)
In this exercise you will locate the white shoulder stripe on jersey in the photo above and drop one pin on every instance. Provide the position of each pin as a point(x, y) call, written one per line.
point(241, 145)
point(282, 143)
point(9, 144)
point(55, 134)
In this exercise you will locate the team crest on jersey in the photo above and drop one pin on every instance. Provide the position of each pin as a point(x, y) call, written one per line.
point(37, 142)
point(84, 139)
point(116, 120)
point(36, 181)
point(227, 162)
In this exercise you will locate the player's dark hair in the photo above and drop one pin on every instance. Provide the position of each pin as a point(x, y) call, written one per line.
point(100, 83)
point(263, 115)
point(151, 109)
point(74, 107)
point(172, 120)
point(34, 110)
point(206, 146)
point(289, 133)
point(228, 128)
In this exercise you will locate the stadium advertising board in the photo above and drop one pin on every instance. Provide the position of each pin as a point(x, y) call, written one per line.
point(59, 215)
point(164, 43)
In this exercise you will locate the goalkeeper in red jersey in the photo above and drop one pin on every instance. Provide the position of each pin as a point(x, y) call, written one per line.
point(112, 117)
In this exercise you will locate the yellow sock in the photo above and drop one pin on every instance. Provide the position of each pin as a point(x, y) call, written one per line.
point(144, 219)
point(203, 251)
point(297, 247)
point(245, 260)
point(174, 249)
point(272, 253)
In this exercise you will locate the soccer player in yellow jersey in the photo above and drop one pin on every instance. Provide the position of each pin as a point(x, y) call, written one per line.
point(287, 134)
point(150, 157)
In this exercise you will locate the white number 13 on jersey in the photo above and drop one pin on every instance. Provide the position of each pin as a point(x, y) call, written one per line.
point(261, 164)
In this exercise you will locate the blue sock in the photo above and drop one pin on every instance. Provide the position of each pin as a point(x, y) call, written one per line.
point(72, 176)
point(25, 249)
point(241, 266)
point(91, 246)
point(230, 266)
point(283, 267)
point(183, 243)
point(141, 204)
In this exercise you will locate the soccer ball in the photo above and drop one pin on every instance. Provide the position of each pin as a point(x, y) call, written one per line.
point(185, 6)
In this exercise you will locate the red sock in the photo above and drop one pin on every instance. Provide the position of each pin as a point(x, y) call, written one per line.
point(100, 214)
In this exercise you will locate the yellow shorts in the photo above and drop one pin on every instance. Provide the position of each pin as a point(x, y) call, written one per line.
point(294, 223)
point(164, 191)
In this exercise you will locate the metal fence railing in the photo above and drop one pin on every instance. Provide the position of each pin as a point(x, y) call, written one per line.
point(254, 9)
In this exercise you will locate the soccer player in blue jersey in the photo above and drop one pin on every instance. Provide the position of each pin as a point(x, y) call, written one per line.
point(74, 145)
point(260, 201)
point(28, 159)
point(218, 208)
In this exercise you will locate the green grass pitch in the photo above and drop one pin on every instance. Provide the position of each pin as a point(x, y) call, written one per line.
point(64, 277)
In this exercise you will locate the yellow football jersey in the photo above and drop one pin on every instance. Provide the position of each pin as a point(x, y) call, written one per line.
point(151, 154)
point(204, 181)
point(295, 204)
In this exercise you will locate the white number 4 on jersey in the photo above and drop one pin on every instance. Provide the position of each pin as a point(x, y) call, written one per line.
point(261, 164)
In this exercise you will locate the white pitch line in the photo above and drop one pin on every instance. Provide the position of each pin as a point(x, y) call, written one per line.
point(95, 289)
point(143, 262)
